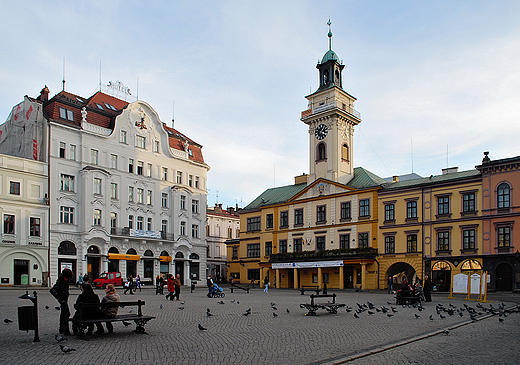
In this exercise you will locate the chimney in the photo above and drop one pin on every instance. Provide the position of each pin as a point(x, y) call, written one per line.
point(395, 178)
point(302, 179)
point(44, 94)
point(450, 170)
point(231, 210)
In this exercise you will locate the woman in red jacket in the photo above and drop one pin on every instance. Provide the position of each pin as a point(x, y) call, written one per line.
point(171, 287)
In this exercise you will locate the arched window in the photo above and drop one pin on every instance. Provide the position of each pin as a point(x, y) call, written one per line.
point(67, 248)
point(165, 253)
point(131, 251)
point(113, 250)
point(93, 249)
point(441, 265)
point(503, 197)
point(322, 154)
point(471, 265)
point(194, 256)
point(148, 253)
point(344, 152)
point(179, 255)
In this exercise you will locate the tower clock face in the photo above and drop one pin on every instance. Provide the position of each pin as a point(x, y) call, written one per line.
point(321, 131)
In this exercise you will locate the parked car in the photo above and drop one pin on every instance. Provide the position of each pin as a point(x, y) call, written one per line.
point(108, 278)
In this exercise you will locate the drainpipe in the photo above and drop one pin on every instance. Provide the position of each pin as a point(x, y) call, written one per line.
point(48, 203)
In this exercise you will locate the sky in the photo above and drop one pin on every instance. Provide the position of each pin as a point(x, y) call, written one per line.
point(437, 83)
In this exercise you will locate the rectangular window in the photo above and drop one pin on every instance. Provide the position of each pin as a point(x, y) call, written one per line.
point(411, 209)
point(504, 236)
point(72, 152)
point(345, 210)
point(140, 165)
point(320, 243)
point(389, 212)
point(131, 221)
point(468, 202)
point(122, 137)
point(156, 146)
point(67, 183)
point(269, 221)
point(268, 248)
point(190, 180)
point(9, 223)
point(253, 224)
point(282, 246)
point(229, 233)
point(165, 174)
point(97, 217)
point(67, 215)
point(164, 200)
point(411, 243)
point(149, 170)
point(140, 142)
point(113, 190)
point(149, 224)
point(197, 182)
point(363, 240)
point(140, 223)
point(14, 188)
point(344, 241)
point(34, 227)
point(164, 226)
point(235, 253)
point(140, 195)
point(194, 231)
point(284, 219)
point(443, 205)
point(149, 197)
point(94, 157)
point(390, 244)
point(66, 114)
point(364, 208)
point(183, 202)
point(443, 241)
point(179, 177)
point(97, 186)
point(298, 244)
point(298, 217)
point(183, 229)
point(131, 165)
point(468, 239)
point(113, 161)
point(253, 250)
point(321, 214)
point(195, 206)
point(113, 220)
point(131, 194)
point(63, 146)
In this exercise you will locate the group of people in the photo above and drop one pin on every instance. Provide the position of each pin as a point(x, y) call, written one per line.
point(174, 287)
point(416, 289)
point(87, 296)
point(129, 284)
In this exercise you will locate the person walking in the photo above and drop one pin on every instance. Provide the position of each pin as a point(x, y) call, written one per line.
point(427, 289)
point(110, 297)
point(63, 298)
point(138, 283)
point(390, 285)
point(130, 286)
point(177, 286)
point(88, 296)
point(266, 284)
point(170, 286)
point(209, 283)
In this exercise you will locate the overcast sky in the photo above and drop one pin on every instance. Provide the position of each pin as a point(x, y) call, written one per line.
point(437, 80)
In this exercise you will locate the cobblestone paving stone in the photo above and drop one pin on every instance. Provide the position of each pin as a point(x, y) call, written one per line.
point(259, 338)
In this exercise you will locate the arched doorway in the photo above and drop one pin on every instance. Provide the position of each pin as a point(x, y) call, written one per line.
point(148, 265)
point(179, 266)
point(67, 248)
point(93, 262)
point(504, 277)
point(113, 264)
point(131, 265)
point(165, 259)
point(441, 276)
point(399, 272)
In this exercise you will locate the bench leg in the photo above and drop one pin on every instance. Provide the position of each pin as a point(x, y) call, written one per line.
point(140, 323)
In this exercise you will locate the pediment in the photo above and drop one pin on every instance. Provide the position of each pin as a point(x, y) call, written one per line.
point(320, 188)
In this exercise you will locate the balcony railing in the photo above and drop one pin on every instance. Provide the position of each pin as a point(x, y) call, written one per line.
point(125, 231)
point(348, 253)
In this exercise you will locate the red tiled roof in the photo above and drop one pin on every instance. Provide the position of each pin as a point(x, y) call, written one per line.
point(177, 140)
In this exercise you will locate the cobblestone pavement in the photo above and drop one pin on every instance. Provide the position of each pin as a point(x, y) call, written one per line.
point(259, 338)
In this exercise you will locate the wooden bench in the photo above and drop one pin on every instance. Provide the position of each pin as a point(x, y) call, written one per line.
point(408, 299)
point(139, 319)
point(316, 288)
point(328, 306)
point(236, 286)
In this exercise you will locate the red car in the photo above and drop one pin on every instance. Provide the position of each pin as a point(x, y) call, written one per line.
point(108, 278)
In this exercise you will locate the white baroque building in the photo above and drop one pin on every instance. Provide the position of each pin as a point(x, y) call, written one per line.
point(127, 193)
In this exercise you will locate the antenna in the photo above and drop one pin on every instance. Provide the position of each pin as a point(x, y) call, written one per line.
point(447, 164)
point(217, 196)
point(411, 147)
point(173, 114)
point(274, 175)
point(99, 75)
point(137, 89)
point(63, 81)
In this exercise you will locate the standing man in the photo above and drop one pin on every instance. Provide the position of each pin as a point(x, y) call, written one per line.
point(177, 285)
point(209, 283)
point(390, 285)
point(427, 289)
point(63, 299)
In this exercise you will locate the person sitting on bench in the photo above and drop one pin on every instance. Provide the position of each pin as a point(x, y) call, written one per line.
point(88, 296)
point(110, 297)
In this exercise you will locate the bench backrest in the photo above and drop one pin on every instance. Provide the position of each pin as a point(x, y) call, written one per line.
point(139, 303)
point(313, 296)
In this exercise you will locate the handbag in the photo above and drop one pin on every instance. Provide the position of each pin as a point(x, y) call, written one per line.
point(54, 290)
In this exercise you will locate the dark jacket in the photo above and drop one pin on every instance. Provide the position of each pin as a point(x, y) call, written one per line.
point(88, 313)
point(63, 289)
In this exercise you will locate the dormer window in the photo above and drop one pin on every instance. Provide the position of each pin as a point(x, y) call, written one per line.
point(66, 114)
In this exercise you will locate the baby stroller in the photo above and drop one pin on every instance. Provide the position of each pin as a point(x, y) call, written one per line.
point(216, 292)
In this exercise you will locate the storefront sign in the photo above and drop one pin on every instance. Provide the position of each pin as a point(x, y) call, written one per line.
point(145, 234)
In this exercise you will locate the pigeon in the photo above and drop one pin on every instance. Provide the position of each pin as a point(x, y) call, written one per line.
point(233, 301)
point(273, 304)
point(208, 310)
point(57, 308)
point(221, 302)
point(417, 316)
point(442, 317)
point(7, 321)
point(181, 308)
point(247, 313)
point(355, 315)
point(66, 349)
point(394, 310)
point(183, 302)
point(349, 310)
point(288, 311)
point(47, 307)
point(447, 332)
point(238, 302)
point(275, 315)
point(60, 338)
point(249, 310)
point(160, 307)
point(131, 310)
point(274, 308)
point(431, 318)
point(387, 302)
point(202, 328)
point(209, 314)
point(389, 315)
point(126, 323)
point(370, 313)
point(501, 320)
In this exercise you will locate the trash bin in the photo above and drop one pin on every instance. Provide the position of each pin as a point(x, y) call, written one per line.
point(26, 318)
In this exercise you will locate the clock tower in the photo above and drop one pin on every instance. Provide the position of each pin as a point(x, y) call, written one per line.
point(331, 118)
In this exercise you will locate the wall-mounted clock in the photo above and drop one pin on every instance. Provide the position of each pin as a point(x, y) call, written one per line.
point(321, 131)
